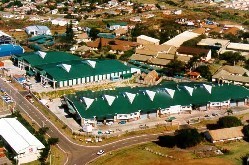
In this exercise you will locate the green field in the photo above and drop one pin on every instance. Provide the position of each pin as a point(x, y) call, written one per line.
point(137, 155)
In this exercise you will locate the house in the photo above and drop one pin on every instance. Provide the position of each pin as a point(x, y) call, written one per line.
point(82, 37)
point(177, 12)
point(37, 30)
point(146, 40)
point(178, 40)
point(117, 25)
point(119, 32)
point(25, 146)
point(59, 21)
point(116, 46)
point(157, 101)
point(225, 134)
point(154, 55)
point(135, 19)
point(216, 44)
point(232, 74)
point(204, 54)
point(194, 75)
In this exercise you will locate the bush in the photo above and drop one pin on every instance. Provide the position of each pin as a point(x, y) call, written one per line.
point(245, 131)
point(188, 138)
point(229, 121)
point(53, 141)
point(167, 141)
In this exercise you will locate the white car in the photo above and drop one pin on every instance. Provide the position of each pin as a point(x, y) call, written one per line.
point(100, 152)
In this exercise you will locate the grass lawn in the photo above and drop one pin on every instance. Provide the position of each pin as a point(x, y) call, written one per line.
point(238, 150)
point(137, 155)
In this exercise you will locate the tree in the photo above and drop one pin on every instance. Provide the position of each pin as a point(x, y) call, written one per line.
point(69, 32)
point(127, 54)
point(245, 131)
point(193, 42)
point(43, 130)
point(229, 121)
point(53, 141)
point(94, 33)
point(174, 67)
point(167, 141)
point(188, 138)
point(232, 57)
point(205, 72)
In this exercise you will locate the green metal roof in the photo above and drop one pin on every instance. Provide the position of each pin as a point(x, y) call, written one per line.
point(162, 99)
point(34, 59)
point(117, 23)
point(80, 69)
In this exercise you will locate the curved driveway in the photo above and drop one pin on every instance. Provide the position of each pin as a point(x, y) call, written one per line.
point(76, 154)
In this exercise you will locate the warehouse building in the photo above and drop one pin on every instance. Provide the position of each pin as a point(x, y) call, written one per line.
point(157, 101)
point(25, 146)
point(62, 69)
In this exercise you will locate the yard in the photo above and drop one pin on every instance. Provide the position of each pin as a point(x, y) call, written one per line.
point(138, 154)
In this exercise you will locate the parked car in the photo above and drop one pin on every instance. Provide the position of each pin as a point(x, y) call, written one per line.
point(122, 122)
point(100, 152)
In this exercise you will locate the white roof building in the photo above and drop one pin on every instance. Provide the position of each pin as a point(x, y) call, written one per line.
point(178, 40)
point(26, 146)
point(143, 39)
point(38, 30)
point(219, 43)
point(238, 47)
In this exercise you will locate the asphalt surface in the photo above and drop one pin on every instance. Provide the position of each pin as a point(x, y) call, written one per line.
point(76, 154)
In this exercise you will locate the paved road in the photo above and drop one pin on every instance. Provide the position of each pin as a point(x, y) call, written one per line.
point(76, 154)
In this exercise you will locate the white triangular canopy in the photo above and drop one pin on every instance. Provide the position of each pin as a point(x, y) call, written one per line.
point(66, 67)
point(88, 102)
point(208, 88)
point(109, 99)
point(91, 63)
point(151, 94)
point(171, 92)
point(130, 96)
point(41, 54)
point(189, 89)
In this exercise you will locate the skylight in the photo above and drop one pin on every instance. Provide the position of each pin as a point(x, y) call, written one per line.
point(130, 96)
point(208, 88)
point(151, 94)
point(109, 99)
point(189, 89)
point(88, 102)
point(171, 92)
point(91, 63)
point(41, 54)
point(66, 67)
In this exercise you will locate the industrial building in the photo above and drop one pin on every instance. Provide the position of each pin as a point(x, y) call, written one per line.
point(25, 146)
point(156, 101)
point(62, 69)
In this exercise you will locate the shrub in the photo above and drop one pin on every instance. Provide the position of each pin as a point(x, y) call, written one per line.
point(167, 141)
point(229, 121)
point(188, 138)
point(246, 131)
point(53, 141)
